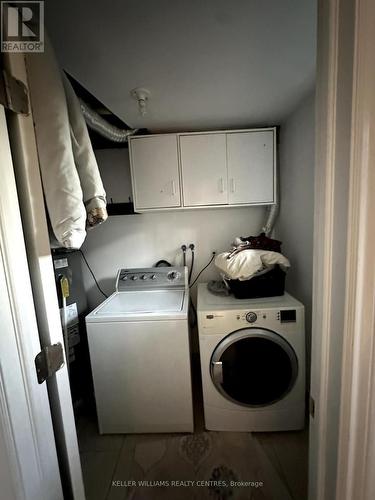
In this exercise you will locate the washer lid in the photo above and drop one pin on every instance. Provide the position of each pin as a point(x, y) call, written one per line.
point(141, 302)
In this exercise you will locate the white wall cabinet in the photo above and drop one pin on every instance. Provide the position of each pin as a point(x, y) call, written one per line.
point(250, 157)
point(205, 169)
point(155, 172)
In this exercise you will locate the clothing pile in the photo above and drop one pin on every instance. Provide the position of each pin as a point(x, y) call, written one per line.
point(72, 185)
point(250, 257)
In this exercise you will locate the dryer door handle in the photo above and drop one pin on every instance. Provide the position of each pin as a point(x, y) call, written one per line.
point(217, 372)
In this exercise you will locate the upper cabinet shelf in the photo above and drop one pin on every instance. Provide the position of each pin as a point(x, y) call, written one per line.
point(203, 169)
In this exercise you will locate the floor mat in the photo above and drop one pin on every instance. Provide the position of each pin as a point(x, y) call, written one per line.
point(204, 465)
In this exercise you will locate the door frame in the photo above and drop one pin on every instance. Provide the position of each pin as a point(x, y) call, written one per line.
point(342, 431)
point(35, 228)
point(356, 463)
point(26, 432)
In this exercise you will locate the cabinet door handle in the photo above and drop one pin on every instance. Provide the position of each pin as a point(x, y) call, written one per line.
point(221, 185)
point(173, 188)
point(232, 185)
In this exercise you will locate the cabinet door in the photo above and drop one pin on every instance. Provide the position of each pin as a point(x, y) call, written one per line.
point(154, 167)
point(204, 170)
point(251, 169)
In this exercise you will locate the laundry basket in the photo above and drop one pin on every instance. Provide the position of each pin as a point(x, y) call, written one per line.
point(269, 284)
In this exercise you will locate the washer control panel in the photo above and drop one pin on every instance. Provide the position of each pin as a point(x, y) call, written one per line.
point(151, 278)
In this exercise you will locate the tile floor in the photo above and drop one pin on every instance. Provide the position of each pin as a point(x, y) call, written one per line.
point(111, 462)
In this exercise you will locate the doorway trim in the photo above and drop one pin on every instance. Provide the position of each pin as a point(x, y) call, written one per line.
point(356, 465)
point(35, 229)
point(28, 458)
point(342, 432)
point(324, 213)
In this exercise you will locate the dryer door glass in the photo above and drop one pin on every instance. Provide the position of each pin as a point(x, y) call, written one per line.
point(254, 367)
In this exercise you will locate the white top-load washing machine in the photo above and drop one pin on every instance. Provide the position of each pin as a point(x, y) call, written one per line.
point(140, 353)
point(253, 362)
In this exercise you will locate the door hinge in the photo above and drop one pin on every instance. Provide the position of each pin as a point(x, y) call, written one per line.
point(312, 406)
point(49, 361)
point(13, 94)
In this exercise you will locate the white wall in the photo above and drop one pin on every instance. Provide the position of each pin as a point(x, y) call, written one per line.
point(141, 240)
point(295, 223)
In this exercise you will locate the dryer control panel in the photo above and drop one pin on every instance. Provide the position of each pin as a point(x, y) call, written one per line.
point(251, 317)
point(151, 278)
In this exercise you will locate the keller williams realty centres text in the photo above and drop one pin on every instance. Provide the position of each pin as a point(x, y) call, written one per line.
point(187, 484)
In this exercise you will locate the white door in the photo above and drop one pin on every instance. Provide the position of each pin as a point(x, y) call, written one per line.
point(28, 460)
point(204, 169)
point(154, 168)
point(30, 199)
point(251, 167)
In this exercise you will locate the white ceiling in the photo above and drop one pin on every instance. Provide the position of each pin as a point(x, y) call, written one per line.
point(207, 63)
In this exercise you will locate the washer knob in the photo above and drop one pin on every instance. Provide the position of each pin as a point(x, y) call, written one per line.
point(172, 275)
point(251, 317)
point(153, 277)
point(134, 278)
point(144, 277)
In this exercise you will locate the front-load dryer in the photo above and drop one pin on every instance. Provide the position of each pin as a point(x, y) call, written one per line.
point(253, 362)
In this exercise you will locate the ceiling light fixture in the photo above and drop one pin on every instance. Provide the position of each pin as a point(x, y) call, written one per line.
point(142, 96)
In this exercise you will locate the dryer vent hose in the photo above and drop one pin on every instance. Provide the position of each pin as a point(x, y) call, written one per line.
point(102, 127)
point(271, 219)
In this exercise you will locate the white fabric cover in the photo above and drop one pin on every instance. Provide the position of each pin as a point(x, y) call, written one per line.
point(244, 265)
point(94, 196)
point(61, 182)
